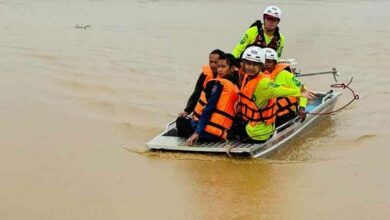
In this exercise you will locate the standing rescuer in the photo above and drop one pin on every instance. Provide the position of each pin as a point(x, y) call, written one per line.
point(263, 35)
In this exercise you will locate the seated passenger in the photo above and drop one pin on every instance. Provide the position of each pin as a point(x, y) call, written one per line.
point(215, 110)
point(282, 75)
point(258, 98)
point(208, 72)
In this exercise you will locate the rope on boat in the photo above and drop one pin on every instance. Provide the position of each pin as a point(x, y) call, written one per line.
point(343, 86)
point(229, 147)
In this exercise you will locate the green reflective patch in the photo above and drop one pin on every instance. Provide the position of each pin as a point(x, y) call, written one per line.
point(273, 85)
point(243, 39)
point(296, 81)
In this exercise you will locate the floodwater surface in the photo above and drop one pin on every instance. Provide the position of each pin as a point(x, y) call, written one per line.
point(85, 84)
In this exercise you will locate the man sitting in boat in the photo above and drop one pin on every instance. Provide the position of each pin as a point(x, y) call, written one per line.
point(286, 107)
point(214, 113)
point(208, 72)
point(266, 35)
point(258, 98)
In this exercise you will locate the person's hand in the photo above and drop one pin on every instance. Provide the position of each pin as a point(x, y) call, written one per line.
point(302, 113)
point(183, 114)
point(191, 140)
point(307, 93)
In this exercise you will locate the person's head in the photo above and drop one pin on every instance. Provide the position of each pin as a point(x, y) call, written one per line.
point(271, 15)
point(253, 60)
point(213, 59)
point(226, 65)
point(271, 59)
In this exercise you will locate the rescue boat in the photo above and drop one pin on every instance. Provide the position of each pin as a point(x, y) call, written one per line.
point(324, 102)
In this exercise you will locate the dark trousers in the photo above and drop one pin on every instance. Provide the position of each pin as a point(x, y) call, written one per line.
point(238, 133)
point(280, 120)
point(184, 127)
point(185, 130)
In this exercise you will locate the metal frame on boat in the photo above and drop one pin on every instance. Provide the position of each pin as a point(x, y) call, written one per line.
point(323, 103)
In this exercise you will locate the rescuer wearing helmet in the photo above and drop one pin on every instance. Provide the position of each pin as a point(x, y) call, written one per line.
point(286, 107)
point(263, 35)
point(257, 97)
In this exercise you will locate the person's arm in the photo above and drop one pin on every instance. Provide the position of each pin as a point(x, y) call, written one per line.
point(206, 114)
point(302, 101)
point(287, 78)
point(216, 91)
point(191, 103)
point(268, 89)
point(275, 90)
point(248, 38)
point(290, 80)
point(302, 106)
point(281, 46)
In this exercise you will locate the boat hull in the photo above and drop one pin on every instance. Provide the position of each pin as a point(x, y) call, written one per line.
point(324, 103)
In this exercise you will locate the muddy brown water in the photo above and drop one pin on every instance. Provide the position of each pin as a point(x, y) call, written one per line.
point(73, 97)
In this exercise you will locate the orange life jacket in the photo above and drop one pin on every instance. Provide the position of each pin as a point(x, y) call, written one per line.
point(247, 107)
point(206, 70)
point(242, 75)
point(284, 105)
point(222, 117)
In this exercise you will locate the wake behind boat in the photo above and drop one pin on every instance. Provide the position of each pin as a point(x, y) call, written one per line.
point(324, 102)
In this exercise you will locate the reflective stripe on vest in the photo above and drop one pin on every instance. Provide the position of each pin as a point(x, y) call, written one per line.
point(248, 109)
point(222, 117)
point(284, 105)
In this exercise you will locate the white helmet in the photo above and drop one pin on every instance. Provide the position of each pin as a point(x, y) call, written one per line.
point(273, 11)
point(270, 54)
point(254, 53)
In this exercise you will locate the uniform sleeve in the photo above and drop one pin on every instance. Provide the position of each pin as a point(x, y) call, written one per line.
point(289, 79)
point(275, 90)
point(303, 100)
point(267, 89)
point(208, 110)
point(247, 39)
point(298, 84)
point(191, 103)
point(281, 46)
